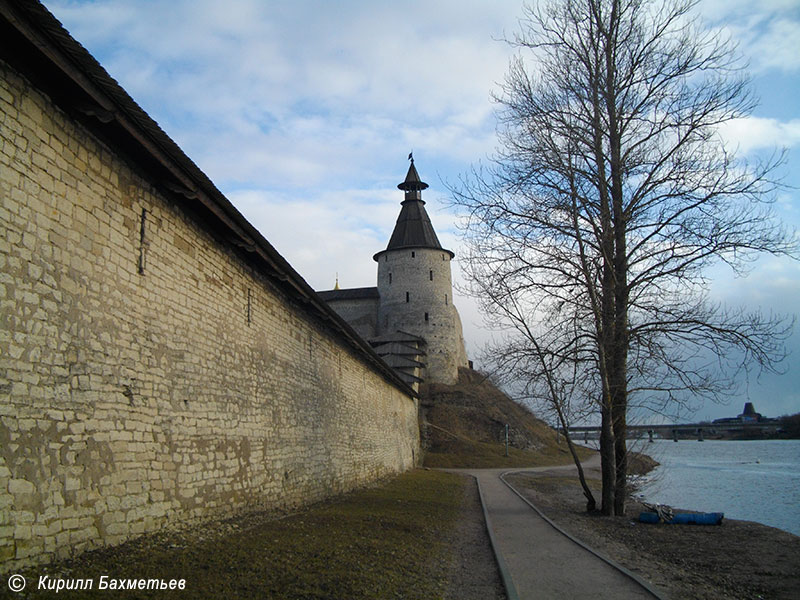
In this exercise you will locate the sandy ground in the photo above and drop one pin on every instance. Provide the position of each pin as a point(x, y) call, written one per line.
point(737, 560)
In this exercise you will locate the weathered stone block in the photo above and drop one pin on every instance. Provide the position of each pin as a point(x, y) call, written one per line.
point(23, 532)
point(20, 486)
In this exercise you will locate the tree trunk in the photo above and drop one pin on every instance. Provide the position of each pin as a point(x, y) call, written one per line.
point(619, 346)
point(591, 503)
point(607, 460)
point(621, 459)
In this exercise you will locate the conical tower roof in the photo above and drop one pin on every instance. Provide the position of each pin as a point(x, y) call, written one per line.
point(413, 228)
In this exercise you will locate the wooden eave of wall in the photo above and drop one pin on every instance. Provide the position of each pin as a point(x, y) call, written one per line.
point(36, 44)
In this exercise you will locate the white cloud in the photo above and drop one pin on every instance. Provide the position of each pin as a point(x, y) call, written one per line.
point(325, 234)
point(767, 32)
point(756, 133)
point(777, 47)
point(772, 284)
point(269, 80)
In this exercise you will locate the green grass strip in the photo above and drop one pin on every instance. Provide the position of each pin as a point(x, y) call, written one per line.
point(389, 541)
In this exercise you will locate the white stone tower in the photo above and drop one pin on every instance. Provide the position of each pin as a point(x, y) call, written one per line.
point(415, 287)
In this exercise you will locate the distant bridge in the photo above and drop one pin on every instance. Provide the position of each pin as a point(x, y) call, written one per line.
point(684, 431)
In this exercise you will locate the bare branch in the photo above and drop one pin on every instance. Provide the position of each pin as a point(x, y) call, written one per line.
point(592, 230)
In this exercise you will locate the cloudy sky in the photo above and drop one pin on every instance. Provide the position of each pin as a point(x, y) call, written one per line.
point(303, 114)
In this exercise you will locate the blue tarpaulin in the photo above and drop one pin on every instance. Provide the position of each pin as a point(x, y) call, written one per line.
point(714, 518)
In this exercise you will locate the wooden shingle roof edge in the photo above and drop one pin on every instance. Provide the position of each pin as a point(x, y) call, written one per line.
point(363, 293)
point(35, 43)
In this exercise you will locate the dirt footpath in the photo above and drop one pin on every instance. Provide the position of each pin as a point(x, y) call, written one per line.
point(473, 571)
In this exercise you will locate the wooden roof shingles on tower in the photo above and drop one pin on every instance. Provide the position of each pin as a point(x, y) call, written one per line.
point(413, 228)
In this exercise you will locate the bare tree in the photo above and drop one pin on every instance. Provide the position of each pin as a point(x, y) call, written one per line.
point(610, 197)
point(545, 366)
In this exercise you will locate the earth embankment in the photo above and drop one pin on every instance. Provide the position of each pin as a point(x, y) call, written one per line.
point(464, 426)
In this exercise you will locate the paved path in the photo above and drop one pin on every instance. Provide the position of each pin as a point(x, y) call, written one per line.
point(542, 562)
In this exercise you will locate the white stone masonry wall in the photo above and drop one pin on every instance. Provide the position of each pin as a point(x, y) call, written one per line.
point(128, 400)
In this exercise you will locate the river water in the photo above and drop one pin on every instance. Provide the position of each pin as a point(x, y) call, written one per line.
point(753, 480)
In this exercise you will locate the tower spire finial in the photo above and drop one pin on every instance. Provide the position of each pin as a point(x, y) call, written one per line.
point(412, 185)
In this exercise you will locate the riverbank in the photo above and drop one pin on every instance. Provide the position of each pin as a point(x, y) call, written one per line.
point(739, 559)
point(734, 477)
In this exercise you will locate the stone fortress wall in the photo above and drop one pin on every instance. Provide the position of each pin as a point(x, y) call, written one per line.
point(359, 307)
point(416, 290)
point(149, 373)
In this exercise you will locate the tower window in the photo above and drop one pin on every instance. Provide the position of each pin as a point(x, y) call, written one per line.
point(445, 299)
point(431, 275)
point(426, 316)
point(407, 297)
point(413, 254)
point(390, 278)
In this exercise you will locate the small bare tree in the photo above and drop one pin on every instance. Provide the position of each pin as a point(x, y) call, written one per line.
point(610, 197)
point(545, 366)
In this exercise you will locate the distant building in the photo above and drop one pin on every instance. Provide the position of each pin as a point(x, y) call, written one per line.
point(409, 318)
point(748, 415)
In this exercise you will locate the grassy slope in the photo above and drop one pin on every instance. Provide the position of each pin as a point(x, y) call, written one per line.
point(390, 541)
point(464, 427)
